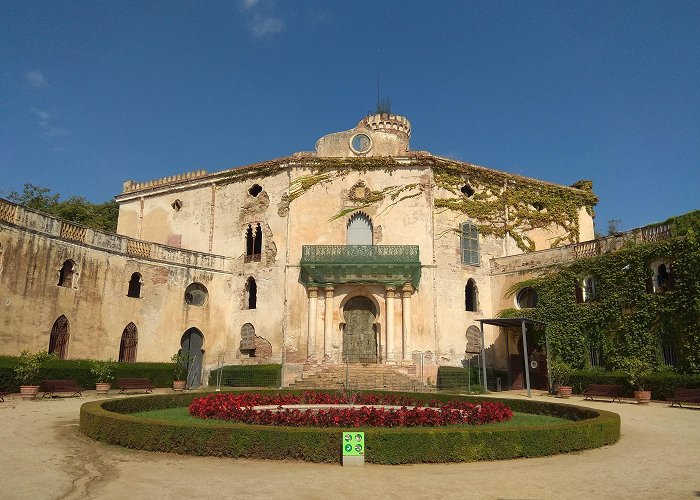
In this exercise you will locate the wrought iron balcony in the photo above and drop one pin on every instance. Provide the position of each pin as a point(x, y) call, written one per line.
point(382, 264)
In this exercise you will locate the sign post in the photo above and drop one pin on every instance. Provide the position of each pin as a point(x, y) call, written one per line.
point(353, 444)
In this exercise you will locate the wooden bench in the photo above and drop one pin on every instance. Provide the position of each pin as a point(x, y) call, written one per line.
point(51, 387)
point(126, 384)
point(683, 395)
point(603, 391)
point(3, 394)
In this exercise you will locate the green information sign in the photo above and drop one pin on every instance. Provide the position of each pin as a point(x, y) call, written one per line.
point(353, 444)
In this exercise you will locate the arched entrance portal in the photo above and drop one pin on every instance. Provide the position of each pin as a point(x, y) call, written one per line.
point(191, 344)
point(360, 334)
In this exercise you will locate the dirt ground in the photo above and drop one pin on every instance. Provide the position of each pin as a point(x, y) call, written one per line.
point(45, 457)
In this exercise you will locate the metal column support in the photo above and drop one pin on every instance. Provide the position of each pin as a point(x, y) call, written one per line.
point(483, 355)
point(527, 361)
point(549, 371)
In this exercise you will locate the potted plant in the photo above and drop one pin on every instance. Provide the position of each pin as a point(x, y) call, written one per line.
point(27, 372)
point(103, 372)
point(637, 370)
point(561, 373)
point(180, 359)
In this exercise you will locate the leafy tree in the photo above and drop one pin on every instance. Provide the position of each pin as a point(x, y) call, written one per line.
point(101, 216)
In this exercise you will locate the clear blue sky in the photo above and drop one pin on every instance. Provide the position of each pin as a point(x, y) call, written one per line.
point(94, 93)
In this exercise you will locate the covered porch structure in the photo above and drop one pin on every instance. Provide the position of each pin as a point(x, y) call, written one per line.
point(523, 324)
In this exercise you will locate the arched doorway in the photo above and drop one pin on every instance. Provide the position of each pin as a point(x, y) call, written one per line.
point(60, 335)
point(191, 344)
point(129, 344)
point(359, 334)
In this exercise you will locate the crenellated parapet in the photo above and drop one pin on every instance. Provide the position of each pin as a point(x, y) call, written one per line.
point(130, 186)
point(383, 122)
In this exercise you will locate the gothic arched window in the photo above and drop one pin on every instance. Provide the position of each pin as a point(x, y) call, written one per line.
point(360, 231)
point(471, 295)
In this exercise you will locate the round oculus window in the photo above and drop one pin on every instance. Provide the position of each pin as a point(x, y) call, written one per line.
point(360, 143)
point(526, 298)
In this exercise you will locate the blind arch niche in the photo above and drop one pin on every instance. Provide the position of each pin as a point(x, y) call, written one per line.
point(360, 230)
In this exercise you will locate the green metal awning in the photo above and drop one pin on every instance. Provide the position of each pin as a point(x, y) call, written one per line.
point(390, 265)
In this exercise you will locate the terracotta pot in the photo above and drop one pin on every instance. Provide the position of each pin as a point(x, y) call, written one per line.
point(564, 391)
point(179, 385)
point(28, 391)
point(642, 397)
point(103, 387)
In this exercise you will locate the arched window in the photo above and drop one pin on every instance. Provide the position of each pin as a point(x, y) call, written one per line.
point(471, 296)
point(134, 286)
point(586, 290)
point(60, 335)
point(253, 243)
point(128, 344)
point(360, 231)
point(252, 288)
point(65, 276)
point(470, 244)
point(247, 346)
point(662, 276)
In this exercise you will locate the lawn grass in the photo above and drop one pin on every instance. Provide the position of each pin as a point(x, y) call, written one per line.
point(182, 415)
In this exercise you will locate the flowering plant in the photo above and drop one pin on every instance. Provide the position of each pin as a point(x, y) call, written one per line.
point(406, 412)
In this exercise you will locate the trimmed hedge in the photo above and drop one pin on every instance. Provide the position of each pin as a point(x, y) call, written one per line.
point(160, 374)
point(661, 384)
point(110, 421)
point(248, 376)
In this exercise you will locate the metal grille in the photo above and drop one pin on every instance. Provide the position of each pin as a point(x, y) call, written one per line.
point(8, 212)
point(72, 232)
point(60, 335)
point(359, 254)
point(139, 248)
point(470, 244)
point(129, 344)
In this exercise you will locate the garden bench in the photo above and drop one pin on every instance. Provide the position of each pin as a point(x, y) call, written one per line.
point(683, 395)
point(51, 387)
point(126, 384)
point(603, 390)
point(3, 394)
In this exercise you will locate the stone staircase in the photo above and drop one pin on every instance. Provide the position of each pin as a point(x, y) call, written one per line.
point(360, 376)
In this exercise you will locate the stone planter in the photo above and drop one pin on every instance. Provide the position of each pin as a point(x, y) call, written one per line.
point(564, 391)
point(642, 397)
point(179, 385)
point(103, 387)
point(28, 391)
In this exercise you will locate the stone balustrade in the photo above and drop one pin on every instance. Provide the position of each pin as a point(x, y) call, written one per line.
point(583, 250)
point(38, 222)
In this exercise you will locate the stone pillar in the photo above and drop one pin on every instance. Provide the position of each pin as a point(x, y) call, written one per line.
point(311, 340)
point(406, 312)
point(390, 348)
point(328, 324)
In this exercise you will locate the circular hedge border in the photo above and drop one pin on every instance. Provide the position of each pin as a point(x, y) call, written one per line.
point(111, 421)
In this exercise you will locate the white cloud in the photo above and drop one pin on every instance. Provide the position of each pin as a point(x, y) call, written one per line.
point(36, 79)
point(51, 132)
point(41, 115)
point(249, 4)
point(265, 26)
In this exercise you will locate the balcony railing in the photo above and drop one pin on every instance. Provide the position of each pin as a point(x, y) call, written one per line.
point(391, 265)
point(360, 254)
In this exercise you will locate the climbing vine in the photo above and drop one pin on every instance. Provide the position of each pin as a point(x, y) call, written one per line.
point(501, 205)
point(624, 319)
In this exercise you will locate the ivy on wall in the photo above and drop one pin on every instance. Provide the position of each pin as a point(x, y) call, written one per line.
point(502, 204)
point(624, 319)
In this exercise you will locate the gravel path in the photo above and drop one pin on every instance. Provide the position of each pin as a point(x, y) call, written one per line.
point(45, 457)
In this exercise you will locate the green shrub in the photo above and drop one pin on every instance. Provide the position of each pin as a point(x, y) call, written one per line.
point(248, 376)
point(457, 378)
point(160, 374)
point(110, 421)
point(661, 384)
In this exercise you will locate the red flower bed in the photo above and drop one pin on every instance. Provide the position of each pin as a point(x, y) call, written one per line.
point(239, 408)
